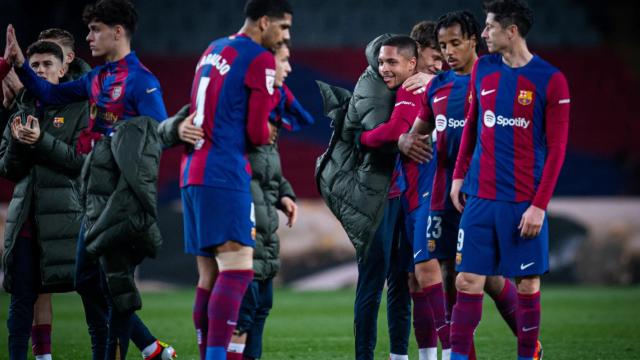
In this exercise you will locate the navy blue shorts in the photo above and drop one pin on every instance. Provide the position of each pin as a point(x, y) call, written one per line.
point(213, 216)
point(442, 233)
point(416, 230)
point(489, 242)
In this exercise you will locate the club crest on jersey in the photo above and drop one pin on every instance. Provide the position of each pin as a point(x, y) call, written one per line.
point(525, 97)
point(116, 92)
point(458, 258)
point(270, 77)
point(441, 122)
point(431, 245)
point(58, 122)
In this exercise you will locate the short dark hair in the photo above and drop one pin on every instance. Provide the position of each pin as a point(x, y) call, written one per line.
point(404, 44)
point(468, 25)
point(422, 33)
point(255, 9)
point(112, 13)
point(61, 35)
point(45, 47)
point(511, 12)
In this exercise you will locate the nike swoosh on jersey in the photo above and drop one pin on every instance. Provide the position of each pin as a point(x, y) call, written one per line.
point(484, 92)
point(416, 254)
point(425, 194)
point(527, 329)
point(149, 91)
point(436, 99)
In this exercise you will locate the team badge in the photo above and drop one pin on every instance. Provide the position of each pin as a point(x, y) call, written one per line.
point(458, 258)
point(58, 122)
point(441, 122)
point(431, 245)
point(525, 97)
point(270, 77)
point(116, 92)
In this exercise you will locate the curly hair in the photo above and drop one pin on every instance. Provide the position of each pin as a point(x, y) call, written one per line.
point(112, 12)
point(468, 25)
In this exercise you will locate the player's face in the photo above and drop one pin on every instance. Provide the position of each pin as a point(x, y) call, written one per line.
point(496, 37)
point(283, 68)
point(68, 53)
point(276, 31)
point(394, 66)
point(101, 38)
point(458, 49)
point(429, 60)
point(47, 66)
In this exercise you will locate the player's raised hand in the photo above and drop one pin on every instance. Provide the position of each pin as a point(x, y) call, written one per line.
point(12, 51)
point(459, 199)
point(416, 147)
point(188, 132)
point(531, 222)
point(290, 209)
point(417, 83)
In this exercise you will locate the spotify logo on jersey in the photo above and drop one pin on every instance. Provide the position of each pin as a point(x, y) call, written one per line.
point(489, 119)
point(441, 122)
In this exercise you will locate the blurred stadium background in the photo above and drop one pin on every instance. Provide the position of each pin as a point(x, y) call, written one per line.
point(595, 216)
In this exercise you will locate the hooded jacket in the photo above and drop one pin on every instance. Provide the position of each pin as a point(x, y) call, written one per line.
point(354, 183)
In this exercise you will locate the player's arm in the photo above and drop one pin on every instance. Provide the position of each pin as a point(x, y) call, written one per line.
point(294, 116)
point(557, 133)
point(415, 144)
point(398, 124)
point(148, 98)
point(467, 144)
point(259, 79)
point(48, 93)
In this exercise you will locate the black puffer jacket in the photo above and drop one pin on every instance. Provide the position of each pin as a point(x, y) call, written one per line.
point(119, 193)
point(268, 187)
point(47, 185)
point(353, 183)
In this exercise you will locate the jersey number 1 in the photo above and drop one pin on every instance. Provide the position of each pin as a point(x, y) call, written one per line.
point(201, 98)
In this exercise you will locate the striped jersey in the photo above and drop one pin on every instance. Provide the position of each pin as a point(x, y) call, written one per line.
point(514, 141)
point(232, 95)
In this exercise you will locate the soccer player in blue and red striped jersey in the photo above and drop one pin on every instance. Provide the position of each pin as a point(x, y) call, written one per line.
point(120, 89)
point(512, 149)
point(459, 39)
point(232, 96)
point(398, 61)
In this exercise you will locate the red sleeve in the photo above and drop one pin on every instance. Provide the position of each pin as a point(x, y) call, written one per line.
point(557, 131)
point(402, 117)
point(470, 131)
point(4, 68)
point(260, 79)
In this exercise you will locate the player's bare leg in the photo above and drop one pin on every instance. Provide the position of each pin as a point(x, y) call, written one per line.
point(41, 327)
point(528, 315)
point(429, 309)
point(235, 272)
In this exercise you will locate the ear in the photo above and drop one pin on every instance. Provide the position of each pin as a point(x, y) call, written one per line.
point(119, 32)
point(61, 72)
point(264, 22)
point(70, 56)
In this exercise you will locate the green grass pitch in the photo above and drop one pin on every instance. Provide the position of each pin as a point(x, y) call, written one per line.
point(577, 323)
